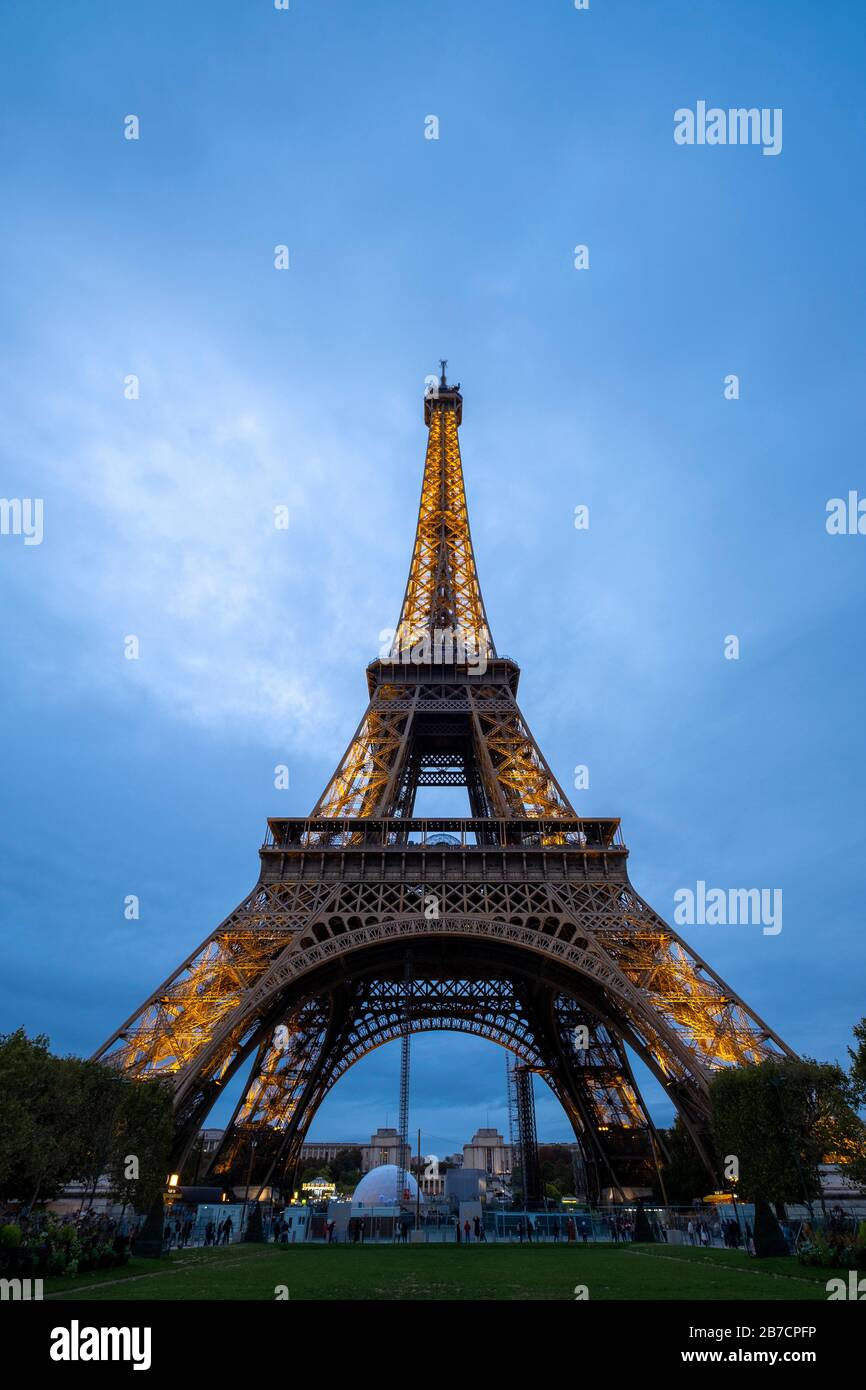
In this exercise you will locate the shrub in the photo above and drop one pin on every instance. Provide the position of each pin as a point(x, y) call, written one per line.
point(834, 1250)
point(10, 1237)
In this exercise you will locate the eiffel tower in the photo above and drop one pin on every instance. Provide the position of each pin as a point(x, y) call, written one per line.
point(518, 923)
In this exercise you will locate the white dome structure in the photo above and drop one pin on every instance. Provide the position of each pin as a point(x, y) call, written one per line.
point(378, 1188)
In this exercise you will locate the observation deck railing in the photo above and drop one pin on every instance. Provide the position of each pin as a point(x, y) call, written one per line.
point(442, 833)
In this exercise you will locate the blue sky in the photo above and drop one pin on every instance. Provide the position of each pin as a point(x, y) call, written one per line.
point(258, 387)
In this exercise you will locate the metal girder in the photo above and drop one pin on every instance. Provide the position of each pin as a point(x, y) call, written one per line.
point(378, 1011)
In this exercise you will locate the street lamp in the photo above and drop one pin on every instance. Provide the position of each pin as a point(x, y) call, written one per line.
point(734, 1182)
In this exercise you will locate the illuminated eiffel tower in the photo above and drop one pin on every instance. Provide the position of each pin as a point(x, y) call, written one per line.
point(517, 923)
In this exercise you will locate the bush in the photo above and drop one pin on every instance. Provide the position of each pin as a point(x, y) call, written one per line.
point(55, 1249)
point(10, 1237)
point(834, 1250)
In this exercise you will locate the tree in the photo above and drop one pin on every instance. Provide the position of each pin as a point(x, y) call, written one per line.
point(99, 1101)
point(643, 1231)
point(852, 1160)
point(64, 1119)
point(345, 1169)
point(143, 1132)
point(346, 1161)
point(557, 1170)
point(40, 1119)
point(858, 1063)
point(780, 1120)
point(684, 1172)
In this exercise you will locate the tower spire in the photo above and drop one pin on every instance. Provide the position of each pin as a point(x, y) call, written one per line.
point(443, 595)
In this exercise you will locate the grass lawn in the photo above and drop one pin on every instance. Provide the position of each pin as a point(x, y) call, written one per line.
point(449, 1272)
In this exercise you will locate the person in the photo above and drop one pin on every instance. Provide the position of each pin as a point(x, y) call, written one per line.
point(121, 1238)
point(750, 1241)
point(476, 1222)
point(691, 1232)
point(520, 1230)
point(457, 1228)
point(209, 1233)
point(570, 1231)
point(467, 1230)
point(227, 1230)
point(530, 1229)
point(584, 1231)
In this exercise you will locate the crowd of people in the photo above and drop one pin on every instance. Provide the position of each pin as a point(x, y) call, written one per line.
point(474, 1228)
point(699, 1234)
point(280, 1230)
point(91, 1238)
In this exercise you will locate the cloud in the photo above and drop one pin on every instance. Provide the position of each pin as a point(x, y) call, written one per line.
point(161, 524)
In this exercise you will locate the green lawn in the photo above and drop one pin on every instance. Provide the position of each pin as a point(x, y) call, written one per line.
point(449, 1272)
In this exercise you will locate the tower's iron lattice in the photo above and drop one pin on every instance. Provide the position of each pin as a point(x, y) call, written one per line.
point(519, 923)
point(403, 1108)
point(522, 1124)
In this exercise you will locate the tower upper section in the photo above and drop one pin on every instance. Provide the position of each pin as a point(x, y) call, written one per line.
point(443, 597)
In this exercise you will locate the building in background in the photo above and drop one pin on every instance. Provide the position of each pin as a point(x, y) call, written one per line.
point(488, 1151)
point(327, 1149)
point(383, 1148)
